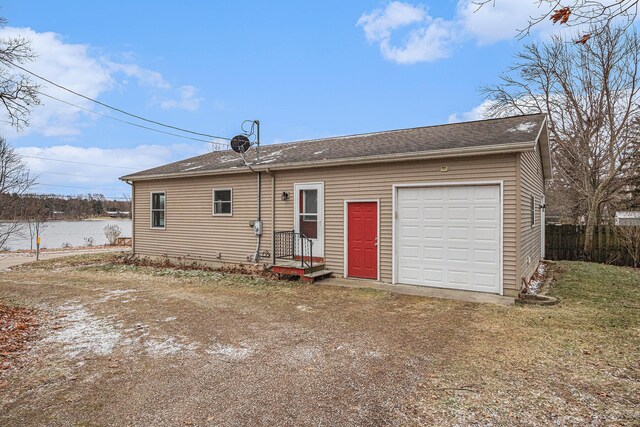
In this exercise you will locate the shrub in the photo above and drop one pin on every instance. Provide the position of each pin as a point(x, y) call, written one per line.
point(112, 232)
point(630, 240)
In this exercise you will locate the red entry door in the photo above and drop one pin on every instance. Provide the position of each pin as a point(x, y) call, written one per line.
point(362, 239)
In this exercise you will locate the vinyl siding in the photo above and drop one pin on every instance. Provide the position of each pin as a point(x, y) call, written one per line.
point(532, 183)
point(192, 232)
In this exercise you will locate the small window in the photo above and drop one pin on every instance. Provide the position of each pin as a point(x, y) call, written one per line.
point(309, 213)
point(222, 202)
point(533, 211)
point(158, 204)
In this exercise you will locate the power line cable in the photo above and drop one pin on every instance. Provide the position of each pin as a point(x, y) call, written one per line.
point(62, 173)
point(130, 123)
point(113, 108)
point(81, 163)
point(75, 186)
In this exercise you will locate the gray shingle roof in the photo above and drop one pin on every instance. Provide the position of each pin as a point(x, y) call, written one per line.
point(422, 140)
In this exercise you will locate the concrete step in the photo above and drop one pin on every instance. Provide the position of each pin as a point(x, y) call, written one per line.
point(317, 275)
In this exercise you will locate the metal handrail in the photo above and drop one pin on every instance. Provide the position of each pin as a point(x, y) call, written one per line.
point(289, 244)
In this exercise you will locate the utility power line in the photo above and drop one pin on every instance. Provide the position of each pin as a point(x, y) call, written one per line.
point(81, 163)
point(74, 186)
point(114, 108)
point(62, 173)
point(220, 144)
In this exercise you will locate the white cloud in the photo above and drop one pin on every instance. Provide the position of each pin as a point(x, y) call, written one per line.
point(477, 113)
point(145, 77)
point(431, 39)
point(496, 21)
point(187, 100)
point(378, 24)
point(97, 179)
point(77, 67)
point(426, 44)
point(429, 42)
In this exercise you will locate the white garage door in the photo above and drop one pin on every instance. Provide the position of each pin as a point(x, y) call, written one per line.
point(449, 237)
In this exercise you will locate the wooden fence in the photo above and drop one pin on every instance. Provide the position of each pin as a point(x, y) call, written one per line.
point(565, 242)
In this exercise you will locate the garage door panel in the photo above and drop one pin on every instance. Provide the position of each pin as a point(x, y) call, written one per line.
point(458, 233)
point(485, 213)
point(458, 214)
point(449, 237)
point(487, 234)
point(486, 194)
point(432, 232)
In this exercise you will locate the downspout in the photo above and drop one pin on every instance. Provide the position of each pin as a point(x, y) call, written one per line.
point(256, 256)
point(258, 228)
point(273, 216)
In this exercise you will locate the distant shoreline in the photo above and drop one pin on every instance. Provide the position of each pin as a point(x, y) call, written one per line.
point(67, 249)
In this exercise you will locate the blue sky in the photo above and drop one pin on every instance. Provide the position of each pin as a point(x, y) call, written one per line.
point(305, 70)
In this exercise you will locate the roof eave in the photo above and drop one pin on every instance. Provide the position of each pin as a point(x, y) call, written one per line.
point(436, 154)
point(545, 150)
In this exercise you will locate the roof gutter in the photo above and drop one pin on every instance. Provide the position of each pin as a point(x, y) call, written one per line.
point(436, 154)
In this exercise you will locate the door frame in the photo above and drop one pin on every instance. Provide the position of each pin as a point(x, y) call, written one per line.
point(345, 245)
point(319, 241)
point(396, 187)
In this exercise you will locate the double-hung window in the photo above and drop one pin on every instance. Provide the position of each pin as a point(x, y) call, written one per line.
point(223, 202)
point(533, 211)
point(158, 204)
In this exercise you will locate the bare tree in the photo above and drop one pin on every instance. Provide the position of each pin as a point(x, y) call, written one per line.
point(630, 239)
point(590, 95)
point(594, 14)
point(18, 93)
point(14, 180)
point(36, 214)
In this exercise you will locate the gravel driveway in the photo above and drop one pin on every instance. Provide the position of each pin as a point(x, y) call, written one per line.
point(122, 345)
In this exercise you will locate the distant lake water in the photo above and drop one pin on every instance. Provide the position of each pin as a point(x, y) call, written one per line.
point(57, 233)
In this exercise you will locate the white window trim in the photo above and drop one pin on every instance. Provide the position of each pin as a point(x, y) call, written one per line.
point(532, 213)
point(395, 188)
point(213, 202)
point(151, 210)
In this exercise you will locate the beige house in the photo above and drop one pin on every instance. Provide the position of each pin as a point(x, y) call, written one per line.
point(457, 206)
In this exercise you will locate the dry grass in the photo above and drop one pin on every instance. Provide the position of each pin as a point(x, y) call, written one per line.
point(200, 347)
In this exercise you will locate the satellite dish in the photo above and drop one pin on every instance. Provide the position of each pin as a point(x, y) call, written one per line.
point(240, 144)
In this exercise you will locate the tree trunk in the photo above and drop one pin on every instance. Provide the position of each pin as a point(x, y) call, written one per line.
point(592, 221)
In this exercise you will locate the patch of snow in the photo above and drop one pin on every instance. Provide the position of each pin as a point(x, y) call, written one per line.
point(192, 168)
point(229, 351)
point(538, 282)
point(305, 354)
point(319, 152)
point(168, 346)
point(273, 154)
point(169, 319)
point(84, 333)
point(304, 308)
point(228, 159)
point(117, 293)
point(523, 127)
point(268, 161)
point(374, 354)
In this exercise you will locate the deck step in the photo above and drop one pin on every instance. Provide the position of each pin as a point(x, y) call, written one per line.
point(317, 275)
point(295, 269)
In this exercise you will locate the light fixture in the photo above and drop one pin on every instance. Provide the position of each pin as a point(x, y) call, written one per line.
point(284, 196)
